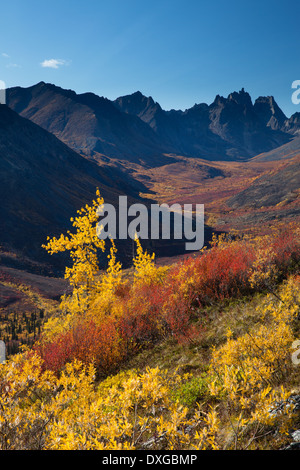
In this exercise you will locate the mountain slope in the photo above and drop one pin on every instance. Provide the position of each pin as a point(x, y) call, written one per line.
point(43, 183)
point(230, 128)
point(135, 129)
point(269, 112)
point(280, 186)
point(87, 123)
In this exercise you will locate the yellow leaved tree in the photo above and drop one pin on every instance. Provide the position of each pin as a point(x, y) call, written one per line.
point(83, 246)
point(145, 269)
point(144, 266)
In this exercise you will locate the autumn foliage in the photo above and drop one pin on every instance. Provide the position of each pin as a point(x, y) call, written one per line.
point(108, 317)
point(48, 394)
point(147, 410)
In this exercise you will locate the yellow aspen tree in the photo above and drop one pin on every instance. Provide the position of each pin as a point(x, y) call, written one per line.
point(83, 246)
point(144, 265)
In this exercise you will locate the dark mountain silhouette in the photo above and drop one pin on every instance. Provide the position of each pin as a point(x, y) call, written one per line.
point(42, 184)
point(184, 133)
point(230, 128)
point(292, 125)
point(269, 112)
point(135, 129)
point(87, 123)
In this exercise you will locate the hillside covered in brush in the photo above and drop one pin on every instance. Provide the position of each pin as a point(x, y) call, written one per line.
point(200, 354)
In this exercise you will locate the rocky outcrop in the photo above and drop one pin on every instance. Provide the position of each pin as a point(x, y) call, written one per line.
point(135, 128)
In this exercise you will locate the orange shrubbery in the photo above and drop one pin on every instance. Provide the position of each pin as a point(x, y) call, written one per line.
point(119, 317)
point(85, 342)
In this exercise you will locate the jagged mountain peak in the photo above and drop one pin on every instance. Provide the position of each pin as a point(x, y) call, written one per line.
point(269, 112)
point(138, 95)
point(219, 100)
point(136, 103)
point(43, 182)
point(134, 127)
point(266, 99)
point(89, 124)
point(270, 101)
point(242, 98)
point(292, 125)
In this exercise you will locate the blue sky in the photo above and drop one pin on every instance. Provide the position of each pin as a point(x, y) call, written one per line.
point(180, 52)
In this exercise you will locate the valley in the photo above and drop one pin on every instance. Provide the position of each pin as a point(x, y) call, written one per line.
point(52, 162)
point(220, 186)
point(208, 154)
point(150, 229)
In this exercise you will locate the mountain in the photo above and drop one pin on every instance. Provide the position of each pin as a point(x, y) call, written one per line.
point(134, 129)
point(89, 124)
point(292, 125)
point(269, 112)
point(183, 133)
point(42, 184)
point(231, 128)
point(283, 152)
point(275, 188)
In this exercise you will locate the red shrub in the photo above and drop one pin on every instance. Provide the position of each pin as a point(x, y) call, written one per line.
point(151, 311)
point(286, 245)
point(85, 342)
